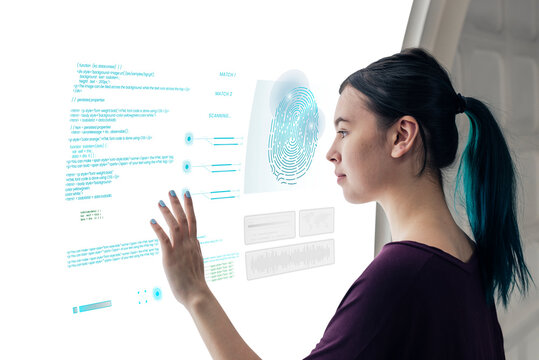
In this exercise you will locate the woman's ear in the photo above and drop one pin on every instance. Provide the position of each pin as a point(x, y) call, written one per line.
point(403, 136)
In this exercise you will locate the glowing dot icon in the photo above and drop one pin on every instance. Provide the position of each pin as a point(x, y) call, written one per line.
point(157, 293)
point(186, 166)
point(293, 136)
point(189, 138)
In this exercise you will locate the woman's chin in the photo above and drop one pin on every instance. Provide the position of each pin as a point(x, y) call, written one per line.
point(354, 198)
point(351, 198)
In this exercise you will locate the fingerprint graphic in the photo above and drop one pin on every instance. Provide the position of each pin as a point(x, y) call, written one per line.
point(293, 136)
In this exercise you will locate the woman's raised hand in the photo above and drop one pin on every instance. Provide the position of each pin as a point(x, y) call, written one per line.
point(182, 257)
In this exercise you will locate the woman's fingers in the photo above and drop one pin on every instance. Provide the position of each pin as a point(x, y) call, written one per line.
point(178, 210)
point(173, 225)
point(161, 235)
point(191, 219)
point(185, 218)
point(179, 223)
point(182, 257)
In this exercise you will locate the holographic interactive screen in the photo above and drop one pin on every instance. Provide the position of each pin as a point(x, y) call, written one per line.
point(234, 102)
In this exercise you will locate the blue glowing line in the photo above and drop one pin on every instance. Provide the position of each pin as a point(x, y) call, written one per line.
point(95, 306)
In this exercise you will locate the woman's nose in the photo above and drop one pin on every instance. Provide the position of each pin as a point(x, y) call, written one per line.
point(332, 154)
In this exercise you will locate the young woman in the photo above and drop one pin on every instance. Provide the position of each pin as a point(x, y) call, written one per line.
point(429, 294)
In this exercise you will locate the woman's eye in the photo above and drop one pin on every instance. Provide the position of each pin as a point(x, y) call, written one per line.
point(343, 133)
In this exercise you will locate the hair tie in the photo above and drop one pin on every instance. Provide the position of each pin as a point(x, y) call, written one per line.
point(461, 104)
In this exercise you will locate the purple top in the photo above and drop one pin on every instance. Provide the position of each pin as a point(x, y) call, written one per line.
point(414, 301)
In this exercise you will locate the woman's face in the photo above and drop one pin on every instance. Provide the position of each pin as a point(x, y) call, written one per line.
point(360, 152)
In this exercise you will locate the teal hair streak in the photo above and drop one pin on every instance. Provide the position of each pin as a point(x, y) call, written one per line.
point(488, 178)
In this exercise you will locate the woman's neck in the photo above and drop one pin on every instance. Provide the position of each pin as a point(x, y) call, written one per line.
point(417, 211)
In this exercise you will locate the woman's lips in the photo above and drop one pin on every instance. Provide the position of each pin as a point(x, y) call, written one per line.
point(340, 177)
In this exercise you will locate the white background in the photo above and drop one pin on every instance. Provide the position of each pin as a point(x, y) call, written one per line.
point(281, 316)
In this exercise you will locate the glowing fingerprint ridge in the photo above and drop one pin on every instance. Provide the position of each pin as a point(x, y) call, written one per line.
point(293, 136)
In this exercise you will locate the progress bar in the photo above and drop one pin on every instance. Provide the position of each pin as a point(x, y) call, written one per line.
point(94, 306)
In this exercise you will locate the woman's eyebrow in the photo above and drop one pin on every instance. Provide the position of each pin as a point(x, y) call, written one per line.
point(339, 119)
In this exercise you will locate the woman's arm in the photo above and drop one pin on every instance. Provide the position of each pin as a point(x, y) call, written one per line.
point(218, 333)
point(184, 268)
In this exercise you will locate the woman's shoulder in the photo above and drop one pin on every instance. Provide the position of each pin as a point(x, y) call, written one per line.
point(400, 263)
point(391, 273)
point(397, 268)
point(411, 250)
point(398, 260)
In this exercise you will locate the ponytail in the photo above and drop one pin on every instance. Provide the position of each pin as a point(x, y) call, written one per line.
point(488, 177)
